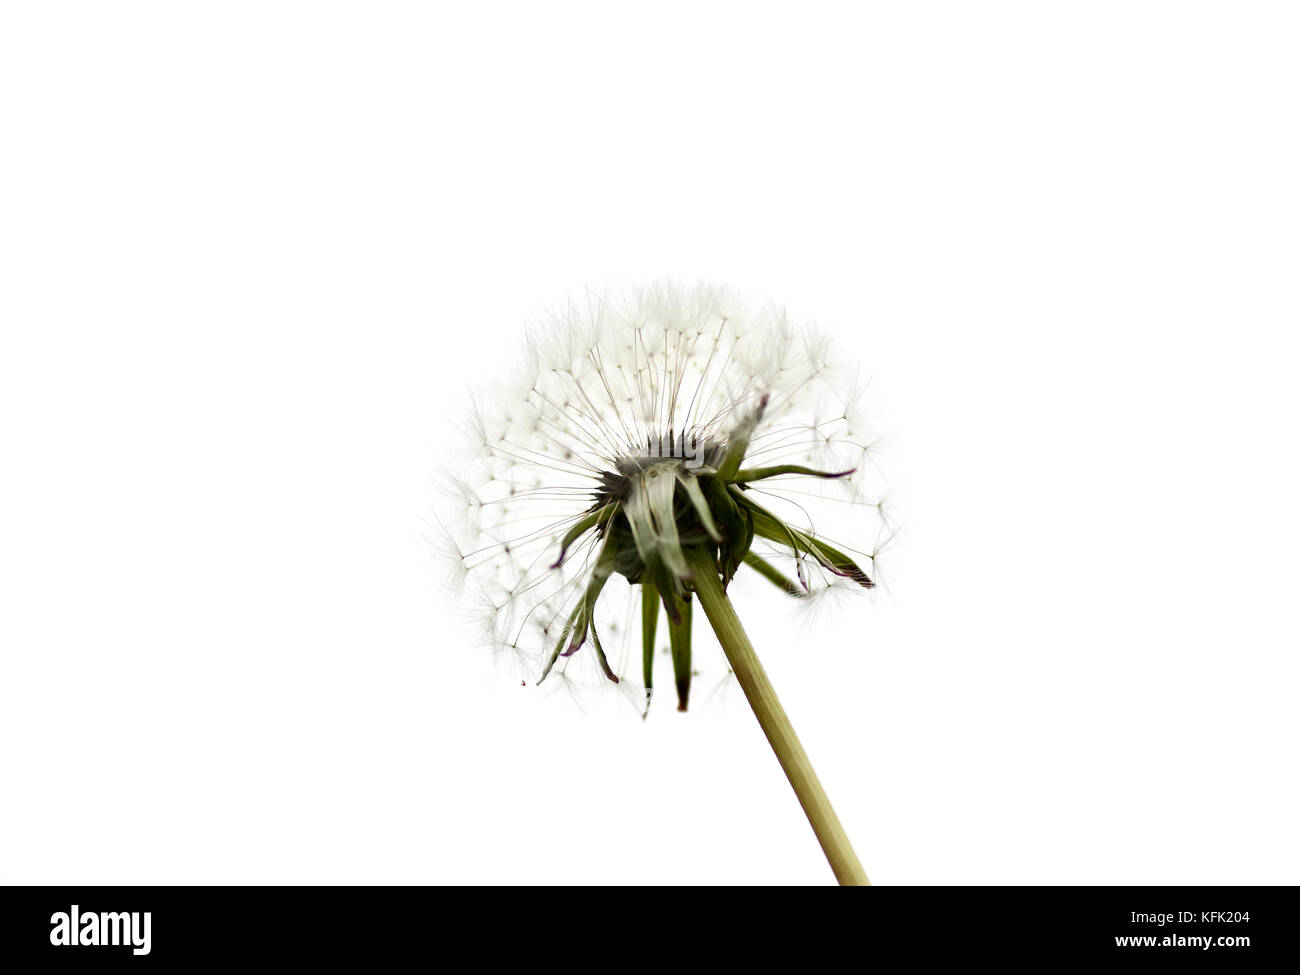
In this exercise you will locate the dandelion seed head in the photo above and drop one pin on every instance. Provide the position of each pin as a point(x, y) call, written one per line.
point(622, 405)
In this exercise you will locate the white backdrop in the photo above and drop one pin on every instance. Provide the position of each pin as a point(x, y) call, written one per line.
point(253, 254)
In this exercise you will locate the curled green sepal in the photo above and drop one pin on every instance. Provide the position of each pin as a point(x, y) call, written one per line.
point(580, 622)
point(769, 526)
point(696, 494)
point(736, 526)
point(649, 623)
point(679, 639)
point(759, 473)
point(590, 521)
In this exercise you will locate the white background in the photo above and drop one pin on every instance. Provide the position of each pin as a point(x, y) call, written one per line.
point(254, 253)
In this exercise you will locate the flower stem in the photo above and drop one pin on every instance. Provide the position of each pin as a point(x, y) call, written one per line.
point(773, 720)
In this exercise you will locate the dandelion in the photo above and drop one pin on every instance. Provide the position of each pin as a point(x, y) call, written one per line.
point(673, 436)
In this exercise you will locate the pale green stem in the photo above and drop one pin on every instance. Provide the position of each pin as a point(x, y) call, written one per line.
point(773, 720)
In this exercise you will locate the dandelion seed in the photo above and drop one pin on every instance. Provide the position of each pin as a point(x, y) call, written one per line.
point(671, 437)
